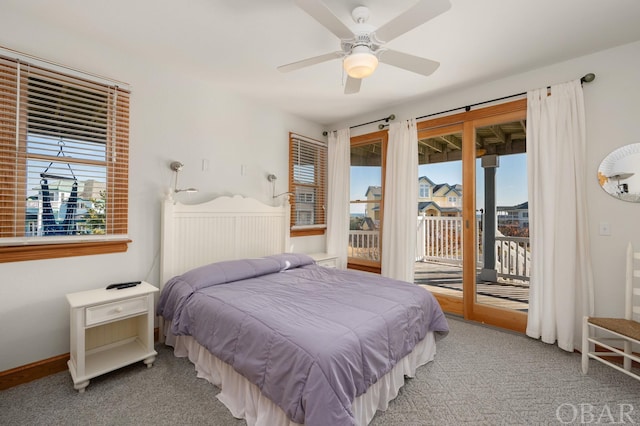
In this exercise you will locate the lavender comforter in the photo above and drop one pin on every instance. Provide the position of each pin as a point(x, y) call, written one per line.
point(311, 338)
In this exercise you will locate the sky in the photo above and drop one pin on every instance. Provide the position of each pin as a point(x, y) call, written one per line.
point(511, 180)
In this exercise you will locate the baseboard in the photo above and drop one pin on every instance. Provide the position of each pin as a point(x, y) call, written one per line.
point(39, 369)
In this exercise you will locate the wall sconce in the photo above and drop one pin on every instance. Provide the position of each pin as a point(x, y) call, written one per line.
point(177, 166)
point(272, 178)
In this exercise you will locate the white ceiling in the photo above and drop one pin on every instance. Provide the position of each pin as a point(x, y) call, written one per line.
point(241, 42)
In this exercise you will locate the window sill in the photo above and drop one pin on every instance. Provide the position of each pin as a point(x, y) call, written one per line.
point(307, 232)
point(52, 251)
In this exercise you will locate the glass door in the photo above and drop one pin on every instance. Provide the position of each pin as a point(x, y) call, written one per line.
point(439, 248)
point(473, 250)
point(498, 290)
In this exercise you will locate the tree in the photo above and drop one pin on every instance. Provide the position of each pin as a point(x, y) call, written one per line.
point(355, 223)
point(96, 218)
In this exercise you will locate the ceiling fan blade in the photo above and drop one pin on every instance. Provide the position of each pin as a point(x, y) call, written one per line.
point(310, 61)
point(408, 62)
point(352, 85)
point(420, 13)
point(322, 14)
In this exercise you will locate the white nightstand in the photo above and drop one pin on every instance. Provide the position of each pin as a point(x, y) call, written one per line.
point(325, 259)
point(110, 329)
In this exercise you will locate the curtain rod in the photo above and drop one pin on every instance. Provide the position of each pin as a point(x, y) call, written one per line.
point(587, 78)
point(385, 119)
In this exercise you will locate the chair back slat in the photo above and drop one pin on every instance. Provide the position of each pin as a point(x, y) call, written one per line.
point(632, 295)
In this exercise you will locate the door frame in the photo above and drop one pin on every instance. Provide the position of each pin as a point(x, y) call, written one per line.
point(467, 306)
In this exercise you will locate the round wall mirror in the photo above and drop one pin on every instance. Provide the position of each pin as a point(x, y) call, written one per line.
point(619, 173)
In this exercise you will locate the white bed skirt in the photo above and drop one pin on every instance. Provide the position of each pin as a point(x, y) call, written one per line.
point(245, 401)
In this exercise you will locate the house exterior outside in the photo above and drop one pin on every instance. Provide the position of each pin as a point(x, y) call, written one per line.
point(372, 209)
point(439, 199)
point(305, 206)
point(446, 200)
point(433, 200)
point(514, 216)
point(60, 190)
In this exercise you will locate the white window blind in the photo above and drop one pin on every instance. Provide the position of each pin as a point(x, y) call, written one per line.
point(307, 182)
point(63, 156)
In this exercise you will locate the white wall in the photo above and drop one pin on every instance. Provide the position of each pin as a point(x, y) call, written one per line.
point(612, 104)
point(174, 116)
point(178, 116)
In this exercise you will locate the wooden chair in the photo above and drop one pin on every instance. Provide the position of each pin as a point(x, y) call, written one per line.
point(619, 336)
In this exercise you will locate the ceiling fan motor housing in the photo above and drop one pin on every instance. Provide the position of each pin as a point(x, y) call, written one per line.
point(360, 39)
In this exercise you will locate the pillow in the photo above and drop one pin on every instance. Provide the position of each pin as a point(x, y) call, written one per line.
point(229, 271)
point(180, 288)
point(292, 260)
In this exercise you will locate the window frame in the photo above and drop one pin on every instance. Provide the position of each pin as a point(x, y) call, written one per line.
point(424, 190)
point(382, 137)
point(467, 122)
point(14, 244)
point(319, 188)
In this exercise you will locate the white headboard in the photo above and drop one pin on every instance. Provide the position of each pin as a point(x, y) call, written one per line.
point(225, 228)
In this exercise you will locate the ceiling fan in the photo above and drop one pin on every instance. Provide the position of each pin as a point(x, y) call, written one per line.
point(363, 48)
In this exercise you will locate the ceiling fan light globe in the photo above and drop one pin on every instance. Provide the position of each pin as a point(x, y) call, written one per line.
point(360, 64)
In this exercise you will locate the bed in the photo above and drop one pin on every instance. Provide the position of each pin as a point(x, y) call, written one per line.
point(287, 341)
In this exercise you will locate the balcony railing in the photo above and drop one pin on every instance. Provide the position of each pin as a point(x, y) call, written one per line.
point(513, 258)
point(364, 245)
point(439, 239)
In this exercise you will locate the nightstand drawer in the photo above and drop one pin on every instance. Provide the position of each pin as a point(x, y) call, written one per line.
point(115, 310)
point(325, 259)
point(329, 263)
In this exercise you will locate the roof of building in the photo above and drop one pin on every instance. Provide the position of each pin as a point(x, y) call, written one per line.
point(375, 190)
point(421, 178)
point(425, 205)
point(445, 189)
point(521, 206)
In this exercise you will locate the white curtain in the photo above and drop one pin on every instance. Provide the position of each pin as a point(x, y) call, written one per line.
point(561, 283)
point(400, 202)
point(339, 154)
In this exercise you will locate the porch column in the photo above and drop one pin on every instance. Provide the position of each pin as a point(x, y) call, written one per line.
point(489, 272)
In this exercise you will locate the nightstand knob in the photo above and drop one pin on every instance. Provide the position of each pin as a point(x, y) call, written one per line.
point(118, 309)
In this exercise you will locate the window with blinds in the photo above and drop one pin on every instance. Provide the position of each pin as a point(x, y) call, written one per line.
point(307, 183)
point(63, 159)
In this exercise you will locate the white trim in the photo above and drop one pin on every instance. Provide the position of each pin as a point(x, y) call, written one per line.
point(301, 227)
point(30, 241)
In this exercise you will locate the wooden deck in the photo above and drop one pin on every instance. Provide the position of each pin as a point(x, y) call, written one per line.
point(447, 279)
